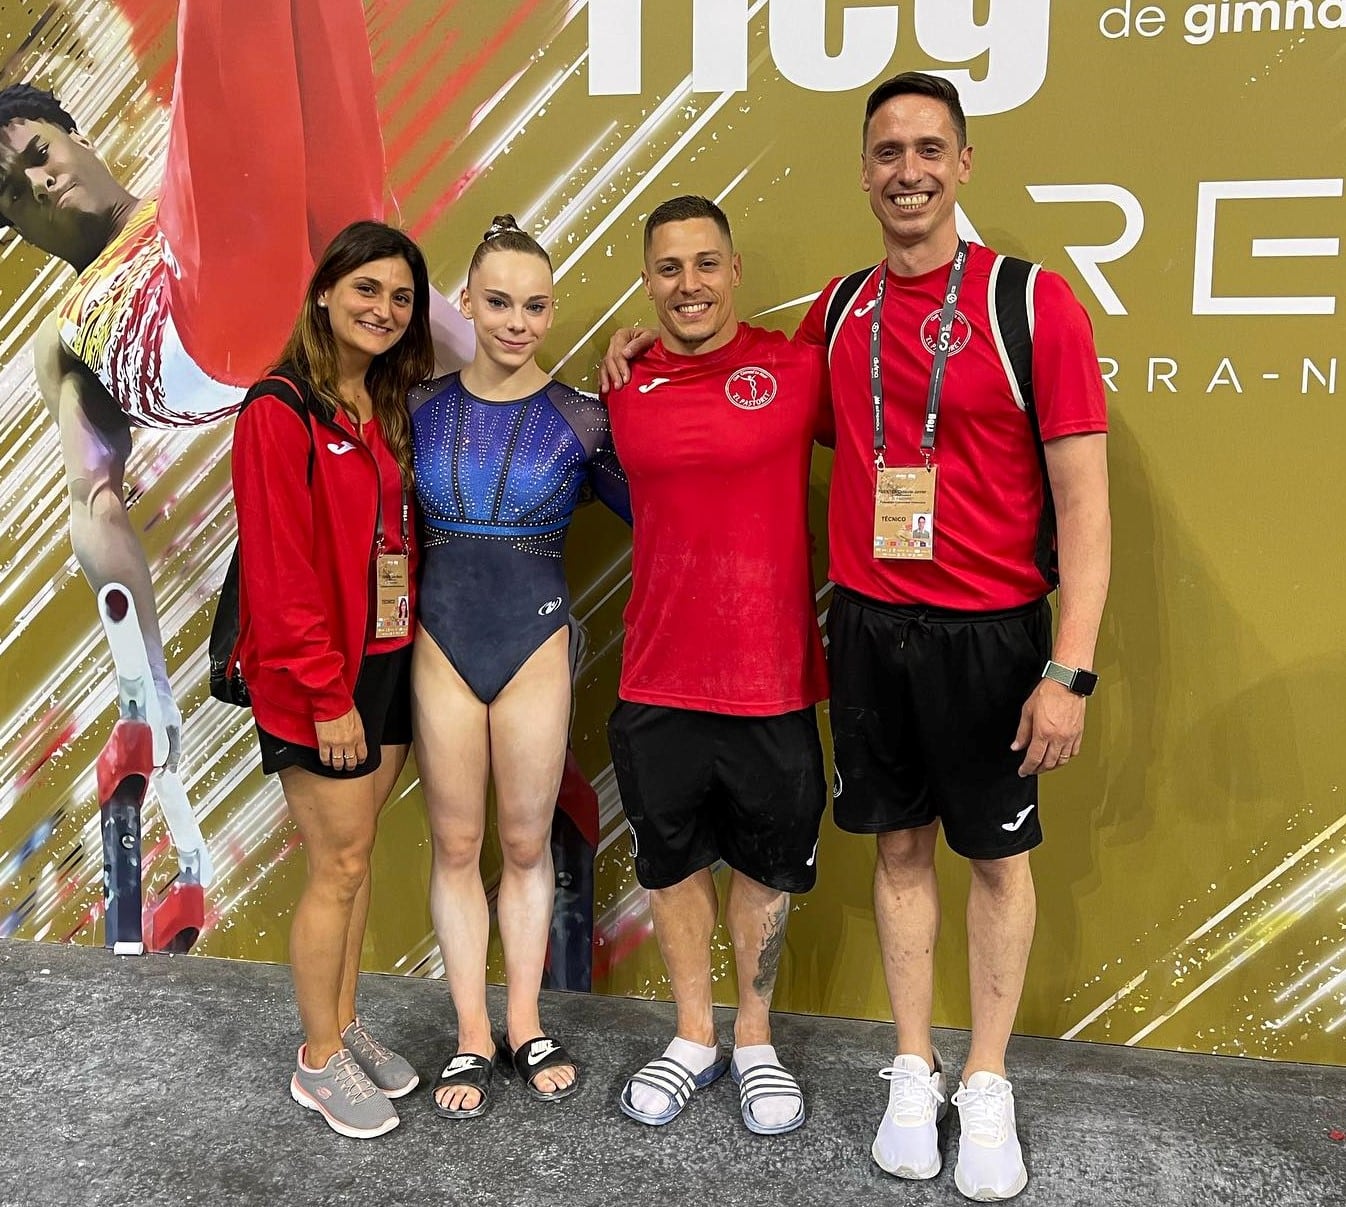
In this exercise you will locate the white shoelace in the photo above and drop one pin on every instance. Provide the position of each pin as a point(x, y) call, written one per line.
point(984, 1113)
point(370, 1048)
point(352, 1079)
point(913, 1095)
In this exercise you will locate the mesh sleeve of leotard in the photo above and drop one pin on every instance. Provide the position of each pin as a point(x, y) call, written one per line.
point(422, 393)
point(588, 419)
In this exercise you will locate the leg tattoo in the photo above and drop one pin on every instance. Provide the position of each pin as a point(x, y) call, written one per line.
point(768, 958)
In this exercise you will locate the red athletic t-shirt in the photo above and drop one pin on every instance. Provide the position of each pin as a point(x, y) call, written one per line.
point(723, 616)
point(989, 495)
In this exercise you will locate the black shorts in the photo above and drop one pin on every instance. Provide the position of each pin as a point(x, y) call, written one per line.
point(701, 786)
point(383, 700)
point(925, 704)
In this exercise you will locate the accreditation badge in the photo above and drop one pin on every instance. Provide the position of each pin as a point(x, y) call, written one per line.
point(392, 615)
point(904, 513)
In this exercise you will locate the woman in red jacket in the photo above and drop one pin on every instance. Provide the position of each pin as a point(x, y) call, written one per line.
point(322, 487)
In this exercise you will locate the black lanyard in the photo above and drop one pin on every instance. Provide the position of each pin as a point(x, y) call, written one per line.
point(941, 362)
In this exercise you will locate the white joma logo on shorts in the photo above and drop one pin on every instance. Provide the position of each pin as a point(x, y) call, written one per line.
point(549, 607)
point(1011, 826)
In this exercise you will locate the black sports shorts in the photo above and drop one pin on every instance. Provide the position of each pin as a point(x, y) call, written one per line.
point(925, 704)
point(699, 786)
point(383, 700)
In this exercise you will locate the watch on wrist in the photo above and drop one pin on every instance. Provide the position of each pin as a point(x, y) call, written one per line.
point(1072, 678)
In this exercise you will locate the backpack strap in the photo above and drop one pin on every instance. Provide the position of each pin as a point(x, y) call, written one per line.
point(226, 678)
point(844, 294)
point(283, 383)
point(1009, 299)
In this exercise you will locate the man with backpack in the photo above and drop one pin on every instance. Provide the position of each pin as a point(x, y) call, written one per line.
point(967, 393)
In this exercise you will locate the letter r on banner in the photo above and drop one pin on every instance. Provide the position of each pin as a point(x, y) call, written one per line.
point(719, 46)
point(1088, 258)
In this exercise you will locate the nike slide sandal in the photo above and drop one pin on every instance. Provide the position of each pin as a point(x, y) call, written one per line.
point(464, 1069)
point(533, 1057)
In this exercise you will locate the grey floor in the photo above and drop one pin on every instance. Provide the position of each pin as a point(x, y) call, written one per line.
point(162, 1080)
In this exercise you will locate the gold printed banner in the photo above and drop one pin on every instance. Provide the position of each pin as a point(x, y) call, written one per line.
point(1180, 164)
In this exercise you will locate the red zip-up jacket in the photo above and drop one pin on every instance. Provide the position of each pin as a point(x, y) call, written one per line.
point(306, 564)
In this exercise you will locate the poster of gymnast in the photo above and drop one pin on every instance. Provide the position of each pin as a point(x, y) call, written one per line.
point(184, 288)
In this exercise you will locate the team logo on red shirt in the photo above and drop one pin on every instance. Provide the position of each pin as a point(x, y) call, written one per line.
point(750, 389)
point(958, 336)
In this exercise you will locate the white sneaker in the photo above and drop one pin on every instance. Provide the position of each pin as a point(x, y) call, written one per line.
point(990, 1162)
point(907, 1145)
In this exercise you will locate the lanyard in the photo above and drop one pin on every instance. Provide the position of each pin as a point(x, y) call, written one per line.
point(941, 361)
point(406, 515)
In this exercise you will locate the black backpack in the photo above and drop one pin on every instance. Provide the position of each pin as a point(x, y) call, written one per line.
point(226, 676)
point(1010, 303)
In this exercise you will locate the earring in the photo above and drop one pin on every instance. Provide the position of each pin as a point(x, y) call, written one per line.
point(321, 304)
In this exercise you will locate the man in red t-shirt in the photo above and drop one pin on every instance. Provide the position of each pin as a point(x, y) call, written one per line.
point(714, 739)
point(942, 712)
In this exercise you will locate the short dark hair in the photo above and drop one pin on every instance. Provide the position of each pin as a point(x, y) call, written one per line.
point(35, 104)
point(26, 101)
point(686, 209)
point(505, 235)
point(917, 83)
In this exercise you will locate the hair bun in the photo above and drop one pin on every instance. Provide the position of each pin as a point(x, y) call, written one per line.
point(501, 224)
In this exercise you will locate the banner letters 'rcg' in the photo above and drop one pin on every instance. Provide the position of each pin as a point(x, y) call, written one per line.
point(1014, 37)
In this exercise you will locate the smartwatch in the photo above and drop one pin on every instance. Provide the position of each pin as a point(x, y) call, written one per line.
point(1072, 678)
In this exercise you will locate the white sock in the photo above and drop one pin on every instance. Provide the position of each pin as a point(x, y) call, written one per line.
point(696, 1058)
point(771, 1111)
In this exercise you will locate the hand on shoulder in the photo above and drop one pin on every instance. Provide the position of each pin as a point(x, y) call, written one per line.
point(626, 345)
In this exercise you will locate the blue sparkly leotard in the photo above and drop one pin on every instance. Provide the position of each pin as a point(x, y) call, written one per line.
point(497, 484)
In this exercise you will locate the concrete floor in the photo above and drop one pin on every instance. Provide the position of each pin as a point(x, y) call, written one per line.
point(163, 1080)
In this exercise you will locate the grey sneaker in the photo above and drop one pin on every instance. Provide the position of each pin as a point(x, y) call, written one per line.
point(342, 1093)
point(385, 1068)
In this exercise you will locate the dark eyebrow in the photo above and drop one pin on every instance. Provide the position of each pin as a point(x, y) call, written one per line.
point(706, 253)
point(923, 140)
point(11, 156)
point(378, 284)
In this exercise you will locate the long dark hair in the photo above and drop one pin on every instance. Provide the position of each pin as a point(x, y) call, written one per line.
point(312, 351)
